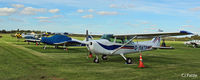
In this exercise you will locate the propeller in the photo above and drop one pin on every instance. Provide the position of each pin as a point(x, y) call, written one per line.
point(87, 45)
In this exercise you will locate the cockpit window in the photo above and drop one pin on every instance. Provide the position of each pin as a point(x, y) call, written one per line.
point(111, 38)
point(107, 37)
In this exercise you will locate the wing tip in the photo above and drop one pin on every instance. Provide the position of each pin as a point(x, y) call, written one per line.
point(186, 32)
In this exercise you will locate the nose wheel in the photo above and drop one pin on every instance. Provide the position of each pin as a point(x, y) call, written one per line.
point(96, 60)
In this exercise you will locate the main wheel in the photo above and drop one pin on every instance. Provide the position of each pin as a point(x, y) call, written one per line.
point(129, 61)
point(194, 46)
point(104, 57)
point(96, 60)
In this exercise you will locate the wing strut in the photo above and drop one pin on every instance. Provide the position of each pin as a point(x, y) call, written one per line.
point(124, 45)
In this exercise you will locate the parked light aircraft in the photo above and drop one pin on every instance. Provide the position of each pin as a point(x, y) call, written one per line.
point(123, 44)
point(32, 37)
point(61, 40)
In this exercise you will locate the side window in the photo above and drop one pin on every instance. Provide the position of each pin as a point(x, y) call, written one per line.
point(119, 41)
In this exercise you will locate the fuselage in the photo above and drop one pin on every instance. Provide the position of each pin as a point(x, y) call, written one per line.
point(105, 47)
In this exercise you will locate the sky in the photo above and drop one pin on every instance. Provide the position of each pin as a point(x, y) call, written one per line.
point(101, 16)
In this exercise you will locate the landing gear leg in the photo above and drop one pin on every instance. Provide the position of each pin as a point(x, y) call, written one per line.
point(64, 46)
point(44, 47)
point(96, 60)
point(104, 57)
point(56, 46)
point(128, 60)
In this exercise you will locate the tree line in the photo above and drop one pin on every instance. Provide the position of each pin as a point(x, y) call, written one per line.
point(21, 31)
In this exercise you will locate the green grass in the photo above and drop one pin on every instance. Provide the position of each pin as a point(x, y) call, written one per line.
point(20, 61)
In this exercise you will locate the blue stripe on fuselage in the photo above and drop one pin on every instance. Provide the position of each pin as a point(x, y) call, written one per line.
point(112, 47)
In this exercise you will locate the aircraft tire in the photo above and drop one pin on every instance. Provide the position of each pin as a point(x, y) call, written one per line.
point(129, 61)
point(96, 60)
point(194, 45)
point(104, 57)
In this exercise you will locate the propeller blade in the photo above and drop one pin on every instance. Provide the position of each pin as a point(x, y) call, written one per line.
point(87, 39)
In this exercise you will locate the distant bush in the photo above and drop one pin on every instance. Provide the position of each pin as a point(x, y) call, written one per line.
point(21, 31)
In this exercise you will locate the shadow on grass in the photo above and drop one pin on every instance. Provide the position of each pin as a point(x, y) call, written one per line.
point(58, 50)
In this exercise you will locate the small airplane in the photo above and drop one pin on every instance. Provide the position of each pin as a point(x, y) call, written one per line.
point(61, 40)
point(32, 37)
point(194, 43)
point(110, 44)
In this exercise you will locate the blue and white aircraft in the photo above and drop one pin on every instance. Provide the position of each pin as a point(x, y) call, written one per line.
point(123, 44)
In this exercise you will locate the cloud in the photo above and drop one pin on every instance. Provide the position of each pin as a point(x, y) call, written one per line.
point(32, 11)
point(121, 6)
point(15, 19)
point(80, 10)
point(145, 22)
point(54, 10)
point(88, 16)
point(186, 26)
point(52, 17)
point(132, 25)
point(7, 11)
point(112, 5)
point(153, 28)
point(107, 13)
point(57, 16)
point(45, 21)
point(195, 9)
point(153, 25)
point(42, 17)
point(18, 5)
point(90, 10)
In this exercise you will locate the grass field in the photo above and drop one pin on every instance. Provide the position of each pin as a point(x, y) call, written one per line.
point(20, 61)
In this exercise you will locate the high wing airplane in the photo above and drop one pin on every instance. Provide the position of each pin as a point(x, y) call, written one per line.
point(194, 43)
point(123, 44)
point(61, 40)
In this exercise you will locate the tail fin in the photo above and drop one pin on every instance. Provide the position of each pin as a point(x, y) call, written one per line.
point(156, 41)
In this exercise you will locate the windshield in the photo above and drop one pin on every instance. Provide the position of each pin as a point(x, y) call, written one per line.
point(111, 38)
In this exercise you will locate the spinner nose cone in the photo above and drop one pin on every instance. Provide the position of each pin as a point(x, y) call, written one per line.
point(91, 46)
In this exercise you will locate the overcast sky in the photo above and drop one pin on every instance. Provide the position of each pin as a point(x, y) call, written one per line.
point(101, 16)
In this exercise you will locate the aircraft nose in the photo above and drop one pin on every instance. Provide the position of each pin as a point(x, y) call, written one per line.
point(90, 45)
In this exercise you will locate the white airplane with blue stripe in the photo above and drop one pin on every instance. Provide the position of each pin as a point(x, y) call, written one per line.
point(123, 44)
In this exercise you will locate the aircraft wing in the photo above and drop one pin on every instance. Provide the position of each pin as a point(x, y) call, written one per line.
point(83, 35)
point(162, 34)
point(72, 42)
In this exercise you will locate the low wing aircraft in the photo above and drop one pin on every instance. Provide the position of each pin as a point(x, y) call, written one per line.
point(123, 44)
point(194, 43)
point(61, 40)
point(35, 38)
